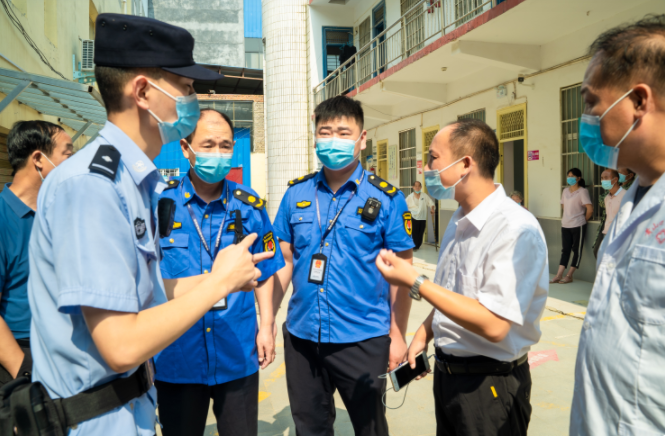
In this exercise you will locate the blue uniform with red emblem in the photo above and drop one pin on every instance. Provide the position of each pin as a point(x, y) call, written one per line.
point(220, 349)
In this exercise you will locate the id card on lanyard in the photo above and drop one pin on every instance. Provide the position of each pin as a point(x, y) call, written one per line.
point(319, 261)
point(221, 304)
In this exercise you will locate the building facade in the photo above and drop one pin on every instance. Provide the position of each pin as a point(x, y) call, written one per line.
point(417, 65)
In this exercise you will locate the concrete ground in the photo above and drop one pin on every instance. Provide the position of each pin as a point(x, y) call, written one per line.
point(552, 361)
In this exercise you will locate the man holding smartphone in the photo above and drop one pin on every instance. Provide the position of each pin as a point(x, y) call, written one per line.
point(488, 293)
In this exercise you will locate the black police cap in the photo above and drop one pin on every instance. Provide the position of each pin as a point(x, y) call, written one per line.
point(128, 41)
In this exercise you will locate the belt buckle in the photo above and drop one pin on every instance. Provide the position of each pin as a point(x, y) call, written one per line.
point(148, 374)
point(445, 363)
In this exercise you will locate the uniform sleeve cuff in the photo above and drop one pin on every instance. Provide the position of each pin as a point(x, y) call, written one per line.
point(282, 236)
point(270, 269)
point(70, 301)
point(493, 306)
point(401, 246)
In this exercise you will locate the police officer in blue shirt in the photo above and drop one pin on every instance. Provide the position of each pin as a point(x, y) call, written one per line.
point(35, 148)
point(345, 325)
point(100, 310)
point(219, 356)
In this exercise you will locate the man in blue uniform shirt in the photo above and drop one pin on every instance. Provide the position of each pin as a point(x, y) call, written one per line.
point(100, 309)
point(345, 325)
point(35, 148)
point(217, 358)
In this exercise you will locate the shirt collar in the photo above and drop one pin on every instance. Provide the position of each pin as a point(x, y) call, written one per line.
point(136, 161)
point(187, 191)
point(481, 213)
point(356, 177)
point(20, 209)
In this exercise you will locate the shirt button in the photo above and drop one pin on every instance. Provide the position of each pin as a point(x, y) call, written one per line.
point(334, 199)
point(205, 271)
point(205, 216)
point(326, 244)
point(586, 325)
point(321, 289)
point(362, 227)
point(329, 221)
point(171, 240)
point(187, 195)
point(300, 219)
point(208, 330)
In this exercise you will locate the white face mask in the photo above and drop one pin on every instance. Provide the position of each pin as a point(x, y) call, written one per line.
point(40, 171)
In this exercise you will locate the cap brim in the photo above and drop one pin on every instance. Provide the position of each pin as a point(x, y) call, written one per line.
point(195, 72)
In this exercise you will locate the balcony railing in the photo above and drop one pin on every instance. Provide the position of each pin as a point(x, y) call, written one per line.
point(420, 25)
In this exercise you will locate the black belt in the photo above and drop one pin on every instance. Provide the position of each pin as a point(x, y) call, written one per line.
point(102, 399)
point(476, 365)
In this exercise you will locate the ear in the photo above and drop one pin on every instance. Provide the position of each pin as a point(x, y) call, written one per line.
point(36, 159)
point(185, 148)
point(363, 140)
point(138, 88)
point(643, 100)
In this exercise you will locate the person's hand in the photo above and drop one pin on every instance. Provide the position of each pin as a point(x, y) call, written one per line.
point(418, 345)
point(397, 351)
point(265, 343)
point(395, 270)
point(235, 266)
point(274, 332)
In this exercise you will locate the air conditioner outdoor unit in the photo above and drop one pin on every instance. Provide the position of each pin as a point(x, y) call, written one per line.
point(87, 55)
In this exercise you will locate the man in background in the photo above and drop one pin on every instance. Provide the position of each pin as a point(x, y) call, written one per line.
point(419, 203)
point(35, 148)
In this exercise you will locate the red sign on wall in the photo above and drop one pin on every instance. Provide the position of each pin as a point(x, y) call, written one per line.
point(533, 155)
point(235, 175)
point(419, 165)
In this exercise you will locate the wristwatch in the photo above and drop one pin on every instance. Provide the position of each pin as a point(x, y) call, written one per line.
point(415, 289)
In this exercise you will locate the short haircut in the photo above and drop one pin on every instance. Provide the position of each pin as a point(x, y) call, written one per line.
point(517, 194)
point(111, 82)
point(338, 107)
point(27, 136)
point(476, 139)
point(632, 52)
point(418, 182)
point(614, 173)
point(208, 109)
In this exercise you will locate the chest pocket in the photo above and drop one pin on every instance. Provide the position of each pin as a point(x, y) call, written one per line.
point(363, 235)
point(643, 295)
point(176, 254)
point(302, 223)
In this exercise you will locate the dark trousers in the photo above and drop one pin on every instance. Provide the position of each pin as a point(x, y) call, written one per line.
point(483, 405)
point(315, 370)
point(26, 367)
point(596, 247)
point(419, 227)
point(572, 240)
point(183, 408)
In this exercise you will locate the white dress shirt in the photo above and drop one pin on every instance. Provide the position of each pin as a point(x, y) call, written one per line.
point(619, 377)
point(497, 255)
point(419, 207)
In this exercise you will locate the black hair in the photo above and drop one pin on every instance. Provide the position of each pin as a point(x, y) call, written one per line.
point(577, 173)
point(632, 52)
point(112, 80)
point(27, 136)
point(476, 139)
point(613, 172)
point(221, 114)
point(417, 181)
point(338, 107)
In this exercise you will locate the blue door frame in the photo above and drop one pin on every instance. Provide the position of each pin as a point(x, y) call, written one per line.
point(325, 46)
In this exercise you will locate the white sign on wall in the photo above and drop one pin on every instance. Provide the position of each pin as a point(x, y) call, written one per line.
point(392, 162)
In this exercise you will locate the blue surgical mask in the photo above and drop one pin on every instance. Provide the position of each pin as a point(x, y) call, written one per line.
point(592, 141)
point(417, 192)
point(622, 178)
point(571, 180)
point(336, 153)
point(188, 115)
point(606, 184)
point(434, 186)
point(212, 167)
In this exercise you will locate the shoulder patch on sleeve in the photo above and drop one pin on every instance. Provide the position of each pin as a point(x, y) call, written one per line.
point(171, 184)
point(248, 198)
point(106, 161)
point(383, 185)
point(300, 179)
point(269, 242)
point(408, 224)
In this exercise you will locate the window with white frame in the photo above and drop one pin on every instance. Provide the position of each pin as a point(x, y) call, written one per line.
point(467, 9)
point(407, 160)
point(572, 154)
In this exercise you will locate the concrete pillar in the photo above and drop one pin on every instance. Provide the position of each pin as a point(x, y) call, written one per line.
point(286, 92)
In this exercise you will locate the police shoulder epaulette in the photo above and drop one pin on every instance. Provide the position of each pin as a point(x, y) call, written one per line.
point(383, 185)
point(171, 184)
point(106, 161)
point(248, 198)
point(300, 179)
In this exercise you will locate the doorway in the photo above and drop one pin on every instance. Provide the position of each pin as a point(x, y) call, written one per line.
point(511, 132)
point(378, 26)
point(382, 148)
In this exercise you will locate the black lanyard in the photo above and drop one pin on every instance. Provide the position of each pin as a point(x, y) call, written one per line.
point(334, 220)
point(221, 228)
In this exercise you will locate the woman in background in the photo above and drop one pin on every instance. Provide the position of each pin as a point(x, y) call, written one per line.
point(577, 211)
point(518, 198)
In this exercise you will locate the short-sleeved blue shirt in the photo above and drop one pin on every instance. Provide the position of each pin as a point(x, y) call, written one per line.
point(88, 248)
point(16, 220)
point(353, 303)
point(221, 346)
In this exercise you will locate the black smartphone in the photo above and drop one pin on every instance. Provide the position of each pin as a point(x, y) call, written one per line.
point(403, 374)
